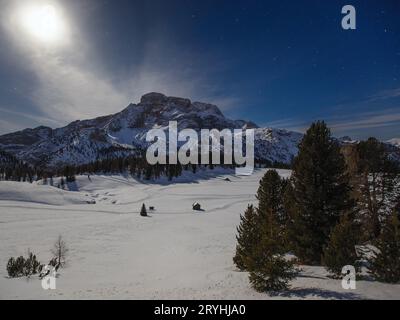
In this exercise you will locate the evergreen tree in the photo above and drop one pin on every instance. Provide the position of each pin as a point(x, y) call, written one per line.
point(319, 194)
point(31, 265)
point(385, 266)
point(261, 241)
point(341, 249)
point(378, 180)
point(11, 270)
point(23, 267)
point(69, 173)
point(143, 211)
point(247, 237)
point(148, 172)
point(269, 270)
point(19, 266)
point(270, 196)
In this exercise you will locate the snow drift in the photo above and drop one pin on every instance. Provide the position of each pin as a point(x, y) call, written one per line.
point(26, 192)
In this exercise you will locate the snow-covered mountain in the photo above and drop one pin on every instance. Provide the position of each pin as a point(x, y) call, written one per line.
point(6, 159)
point(124, 133)
point(393, 147)
point(394, 142)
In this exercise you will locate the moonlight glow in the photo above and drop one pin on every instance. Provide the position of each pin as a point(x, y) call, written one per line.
point(43, 22)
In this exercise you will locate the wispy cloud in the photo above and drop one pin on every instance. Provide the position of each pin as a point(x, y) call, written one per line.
point(382, 117)
point(67, 87)
point(73, 85)
point(386, 94)
point(361, 124)
point(16, 118)
point(287, 123)
point(71, 92)
point(374, 119)
point(383, 112)
point(8, 125)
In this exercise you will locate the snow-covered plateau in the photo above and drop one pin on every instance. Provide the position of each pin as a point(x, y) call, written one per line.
point(175, 253)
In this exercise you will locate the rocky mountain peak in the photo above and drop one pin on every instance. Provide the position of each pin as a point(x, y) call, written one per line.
point(153, 98)
point(124, 133)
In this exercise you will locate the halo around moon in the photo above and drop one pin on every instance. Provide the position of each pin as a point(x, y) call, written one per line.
point(42, 22)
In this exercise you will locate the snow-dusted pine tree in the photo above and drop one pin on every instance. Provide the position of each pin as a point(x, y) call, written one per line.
point(385, 265)
point(341, 249)
point(379, 183)
point(143, 211)
point(320, 193)
point(247, 237)
point(261, 240)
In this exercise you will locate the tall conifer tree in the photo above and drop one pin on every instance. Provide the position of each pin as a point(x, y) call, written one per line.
point(261, 240)
point(385, 266)
point(341, 249)
point(247, 237)
point(319, 195)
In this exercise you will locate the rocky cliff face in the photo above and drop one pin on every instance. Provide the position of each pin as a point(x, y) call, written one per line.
point(124, 133)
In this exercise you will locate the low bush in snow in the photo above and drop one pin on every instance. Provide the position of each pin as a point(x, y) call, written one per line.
point(20, 266)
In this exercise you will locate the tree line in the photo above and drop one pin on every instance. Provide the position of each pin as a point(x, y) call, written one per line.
point(136, 166)
point(328, 209)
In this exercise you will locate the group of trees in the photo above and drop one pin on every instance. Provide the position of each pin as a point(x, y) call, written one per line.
point(14, 170)
point(137, 166)
point(25, 267)
point(329, 206)
point(20, 266)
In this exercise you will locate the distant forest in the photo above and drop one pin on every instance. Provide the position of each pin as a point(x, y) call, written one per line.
point(11, 169)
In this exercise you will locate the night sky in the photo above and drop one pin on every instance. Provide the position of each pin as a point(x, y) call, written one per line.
point(278, 63)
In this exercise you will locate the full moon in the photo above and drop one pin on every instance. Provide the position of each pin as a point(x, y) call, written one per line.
point(44, 23)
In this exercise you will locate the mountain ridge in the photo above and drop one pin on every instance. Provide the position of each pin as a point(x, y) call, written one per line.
point(123, 133)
